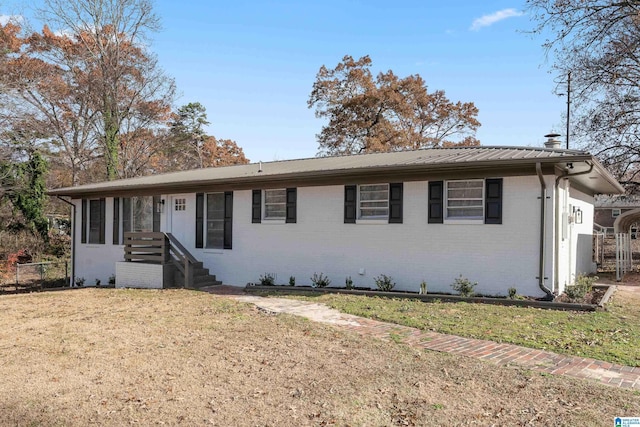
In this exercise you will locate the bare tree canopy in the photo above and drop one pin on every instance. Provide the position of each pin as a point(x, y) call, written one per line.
point(599, 42)
point(387, 113)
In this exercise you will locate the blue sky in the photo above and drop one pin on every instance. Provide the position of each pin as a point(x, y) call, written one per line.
point(252, 64)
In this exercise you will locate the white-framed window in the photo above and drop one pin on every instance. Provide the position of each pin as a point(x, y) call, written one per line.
point(464, 199)
point(373, 201)
point(275, 204)
point(615, 213)
point(215, 221)
point(137, 214)
point(180, 204)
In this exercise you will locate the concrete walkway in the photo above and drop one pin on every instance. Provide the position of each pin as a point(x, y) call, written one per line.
point(498, 354)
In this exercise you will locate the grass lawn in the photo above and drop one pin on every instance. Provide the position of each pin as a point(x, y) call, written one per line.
point(118, 357)
point(612, 335)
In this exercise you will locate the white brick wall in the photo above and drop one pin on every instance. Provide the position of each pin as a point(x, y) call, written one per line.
point(495, 256)
point(138, 275)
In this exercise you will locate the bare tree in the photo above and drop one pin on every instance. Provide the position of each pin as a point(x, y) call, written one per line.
point(599, 42)
point(128, 88)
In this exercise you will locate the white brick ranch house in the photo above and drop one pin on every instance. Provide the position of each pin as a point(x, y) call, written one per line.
point(500, 216)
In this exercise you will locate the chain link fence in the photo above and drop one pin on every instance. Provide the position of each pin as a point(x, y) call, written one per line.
point(41, 275)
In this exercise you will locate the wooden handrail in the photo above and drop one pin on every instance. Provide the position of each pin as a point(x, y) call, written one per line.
point(158, 248)
point(175, 242)
point(147, 247)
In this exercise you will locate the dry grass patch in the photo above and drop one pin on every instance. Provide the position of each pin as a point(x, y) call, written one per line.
point(118, 357)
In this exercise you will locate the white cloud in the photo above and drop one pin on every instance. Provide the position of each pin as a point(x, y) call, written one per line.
point(487, 20)
point(5, 19)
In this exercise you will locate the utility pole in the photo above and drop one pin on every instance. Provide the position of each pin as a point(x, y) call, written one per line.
point(568, 104)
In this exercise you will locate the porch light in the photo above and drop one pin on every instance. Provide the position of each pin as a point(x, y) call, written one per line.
point(160, 206)
point(577, 215)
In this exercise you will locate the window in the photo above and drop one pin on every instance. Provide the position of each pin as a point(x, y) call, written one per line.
point(180, 204)
point(475, 200)
point(96, 221)
point(215, 221)
point(137, 214)
point(464, 199)
point(142, 214)
point(373, 202)
point(275, 204)
point(615, 213)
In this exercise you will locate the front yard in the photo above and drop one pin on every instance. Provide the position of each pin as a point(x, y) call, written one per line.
point(612, 335)
point(118, 357)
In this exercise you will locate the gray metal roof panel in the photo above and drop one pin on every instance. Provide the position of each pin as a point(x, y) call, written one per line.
point(438, 157)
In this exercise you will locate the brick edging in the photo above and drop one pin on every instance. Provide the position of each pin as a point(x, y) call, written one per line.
point(439, 297)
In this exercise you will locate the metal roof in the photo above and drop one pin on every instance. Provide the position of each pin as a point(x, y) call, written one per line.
point(433, 159)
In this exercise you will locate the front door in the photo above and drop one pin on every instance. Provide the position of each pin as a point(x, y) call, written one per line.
point(182, 220)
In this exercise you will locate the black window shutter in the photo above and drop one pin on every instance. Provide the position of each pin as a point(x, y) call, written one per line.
point(256, 206)
point(126, 215)
point(156, 214)
point(83, 231)
point(436, 202)
point(199, 220)
point(350, 201)
point(395, 203)
point(228, 219)
point(493, 201)
point(116, 221)
point(103, 211)
point(292, 198)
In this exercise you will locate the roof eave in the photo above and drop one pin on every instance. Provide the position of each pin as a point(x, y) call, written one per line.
point(331, 173)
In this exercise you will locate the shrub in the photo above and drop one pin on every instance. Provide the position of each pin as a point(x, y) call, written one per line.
point(581, 287)
point(292, 281)
point(513, 293)
point(268, 279)
point(384, 283)
point(112, 279)
point(320, 280)
point(423, 288)
point(463, 286)
point(80, 281)
point(98, 282)
point(348, 283)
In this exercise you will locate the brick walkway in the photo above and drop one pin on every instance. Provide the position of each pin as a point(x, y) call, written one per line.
point(492, 352)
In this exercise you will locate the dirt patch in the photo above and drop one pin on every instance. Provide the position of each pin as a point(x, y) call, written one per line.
point(118, 357)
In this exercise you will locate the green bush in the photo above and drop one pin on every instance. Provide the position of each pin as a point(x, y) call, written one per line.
point(423, 288)
point(267, 279)
point(513, 293)
point(463, 286)
point(292, 281)
point(384, 283)
point(320, 280)
point(348, 283)
point(581, 287)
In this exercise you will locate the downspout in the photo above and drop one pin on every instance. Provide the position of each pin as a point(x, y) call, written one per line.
point(543, 223)
point(73, 240)
point(564, 174)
